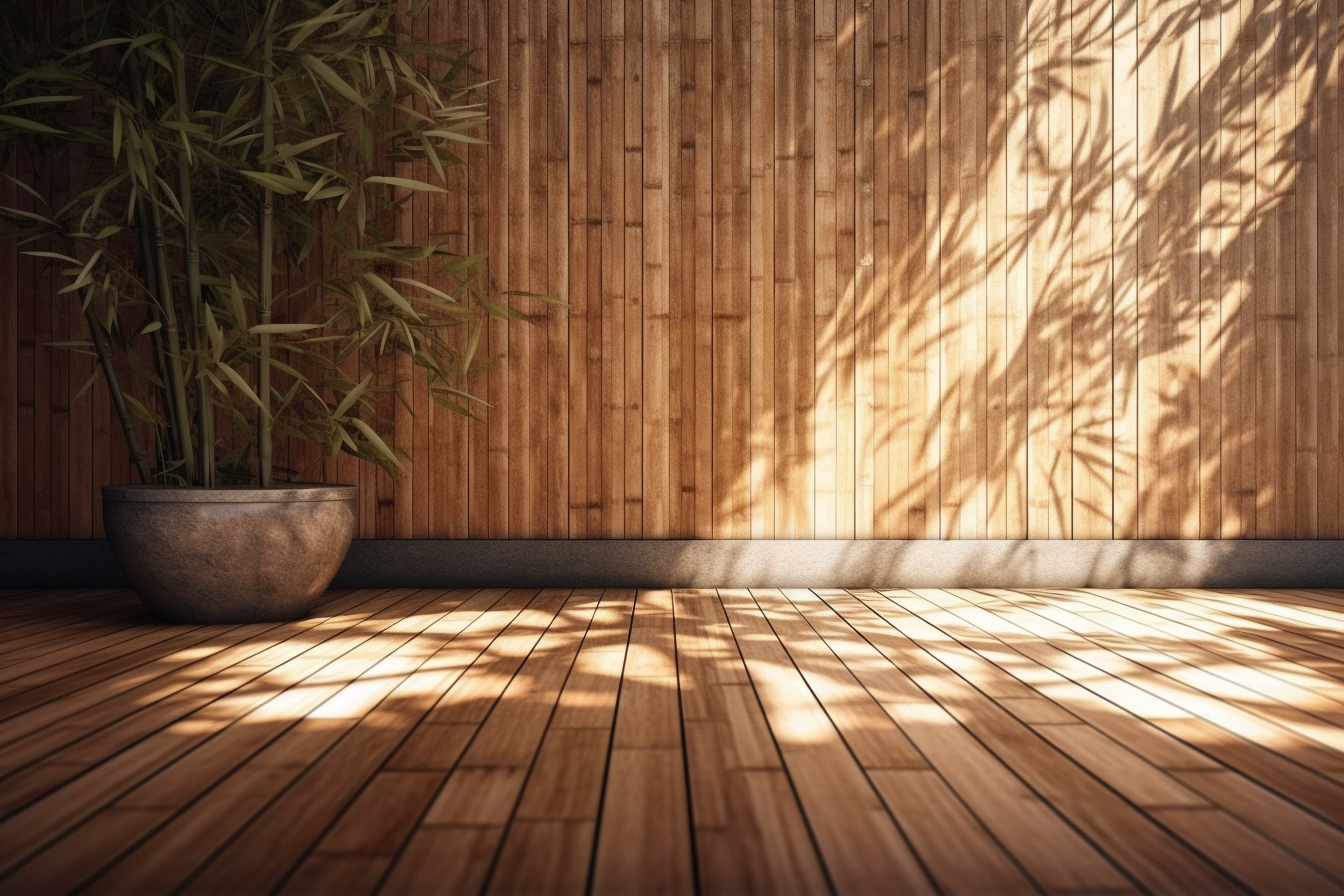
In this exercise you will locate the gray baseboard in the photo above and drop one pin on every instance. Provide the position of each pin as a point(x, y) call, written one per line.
point(690, 564)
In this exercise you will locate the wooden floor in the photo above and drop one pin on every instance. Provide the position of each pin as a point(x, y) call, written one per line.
point(613, 742)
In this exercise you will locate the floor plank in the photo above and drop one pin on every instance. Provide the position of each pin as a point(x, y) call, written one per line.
point(691, 741)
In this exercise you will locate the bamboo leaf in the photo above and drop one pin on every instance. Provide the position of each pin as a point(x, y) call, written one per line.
point(317, 187)
point(365, 313)
point(406, 182)
point(38, 100)
point(376, 441)
point(83, 277)
point(388, 70)
point(144, 39)
point(107, 231)
point(550, 300)
point(215, 335)
point(326, 17)
point(188, 127)
point(236, 301)
point(138, 409)
point(343, 438)
point(37, 253)
point(360, 19)
point(285, 186)
point(282, 328)
point(456, 137)
point(20, 213)
point(472, 343)
point(351, 397)
point(328, 193)
point(289, 371)
point(151, 327)
point(238, 141)
point(27, 189)
point(427, 288)
point(327, 74)
point(433, 155)
point(228, 63)
point(110, 42)
point(283, 151)
point(393, 296)
point(241, 384)
point(97, 372)
point(286, 398)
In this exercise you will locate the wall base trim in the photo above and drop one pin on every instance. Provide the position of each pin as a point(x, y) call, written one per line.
point(740, 564)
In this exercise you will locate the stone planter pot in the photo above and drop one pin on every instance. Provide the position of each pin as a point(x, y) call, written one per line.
point(229, 555)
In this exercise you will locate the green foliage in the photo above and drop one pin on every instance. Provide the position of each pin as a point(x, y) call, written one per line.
point(203, 130)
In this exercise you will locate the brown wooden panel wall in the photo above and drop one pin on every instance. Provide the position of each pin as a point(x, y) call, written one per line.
point(853, 268)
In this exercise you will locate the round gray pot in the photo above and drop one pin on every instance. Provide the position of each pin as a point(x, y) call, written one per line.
point(229, 555)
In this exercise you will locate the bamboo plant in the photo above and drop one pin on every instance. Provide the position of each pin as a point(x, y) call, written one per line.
point(220, 144)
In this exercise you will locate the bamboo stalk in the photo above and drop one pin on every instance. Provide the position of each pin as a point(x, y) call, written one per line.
point(118, 403)
point(205, 417)
point(265, 435)
point(177, 389)
point(162, 288)
point(149, 276)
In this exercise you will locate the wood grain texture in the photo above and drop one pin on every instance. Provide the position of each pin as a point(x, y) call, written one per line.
point(713, 741)
point(845, 268)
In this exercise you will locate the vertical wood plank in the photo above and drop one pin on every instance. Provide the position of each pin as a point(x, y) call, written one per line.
point(579, 148)
point(1306, 175)
point(875, 425)
point(826, 320)
point(702, 482)
point(1038, 345)
point(559, 247)
point(1330, 246)
point(595, 186)
point(728, 410)
point(1059, 284)
point(1284, 190)
point(863, 359)
point(519, 130)
point(45, 283)
point(1093, 312)
point(1015, 251)
point(633, 237)
point(11, 283)
point(763, 172)
point(924, 388)
point(1211, 328)
point(612, 236)
point(738, 502)
point(408, 226)
point(1235, 139)
point(1124, 253)
point(997, 347)
point(1265, 230)
point(449, 482)
point(975, 336)
point(540, 102)
point(656, 390)
point(681, 271)
point(795, 138)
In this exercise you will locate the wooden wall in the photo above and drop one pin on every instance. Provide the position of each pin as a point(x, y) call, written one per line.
point(852, 269)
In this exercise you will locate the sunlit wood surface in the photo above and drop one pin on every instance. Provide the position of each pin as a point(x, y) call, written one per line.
point(838, 269)
point(614, 742)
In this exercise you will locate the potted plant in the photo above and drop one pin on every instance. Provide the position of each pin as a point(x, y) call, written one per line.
point(218, 143)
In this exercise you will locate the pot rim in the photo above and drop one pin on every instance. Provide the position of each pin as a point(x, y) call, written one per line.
point(290, 492)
